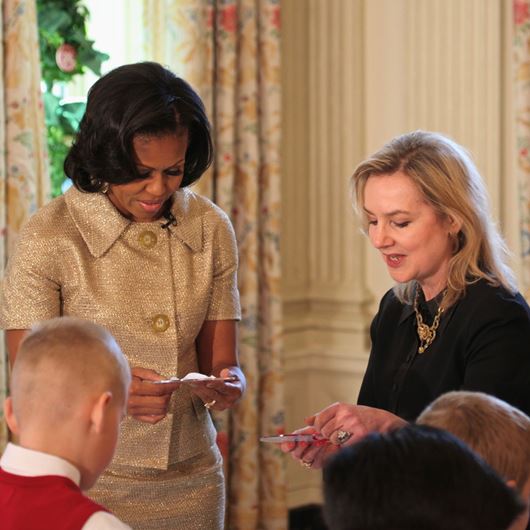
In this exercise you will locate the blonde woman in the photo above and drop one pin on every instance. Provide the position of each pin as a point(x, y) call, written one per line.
point(454, 319)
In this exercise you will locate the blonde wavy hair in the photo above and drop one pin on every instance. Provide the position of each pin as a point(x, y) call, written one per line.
point(450, 182)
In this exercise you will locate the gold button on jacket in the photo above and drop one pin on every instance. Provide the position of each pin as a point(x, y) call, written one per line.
point(147, 239)
point(160, 323)
point(152, 287)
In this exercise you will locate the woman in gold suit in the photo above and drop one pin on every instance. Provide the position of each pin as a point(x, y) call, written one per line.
point(131, 247)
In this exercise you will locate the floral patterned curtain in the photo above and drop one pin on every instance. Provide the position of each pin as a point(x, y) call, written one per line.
point(229, 50)
point(23, 155)
point(521, 54)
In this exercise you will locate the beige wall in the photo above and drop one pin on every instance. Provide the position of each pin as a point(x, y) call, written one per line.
point(356, 73)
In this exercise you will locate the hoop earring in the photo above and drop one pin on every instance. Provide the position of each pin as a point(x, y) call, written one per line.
point(99, 185)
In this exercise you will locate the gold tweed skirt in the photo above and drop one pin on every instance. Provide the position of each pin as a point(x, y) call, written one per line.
point(188, 496)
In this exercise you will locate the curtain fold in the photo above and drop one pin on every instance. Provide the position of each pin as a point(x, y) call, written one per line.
point(23, 153)
point(521, 86)
point(229, 50)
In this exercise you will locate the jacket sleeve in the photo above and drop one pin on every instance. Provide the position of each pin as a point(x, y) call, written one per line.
point(367, 393)
point(224, 300)
point(497, 359)
point(30, 288)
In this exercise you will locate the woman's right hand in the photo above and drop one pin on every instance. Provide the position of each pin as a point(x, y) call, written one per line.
point(148, 402)
point(352, 422)
point(341, 424)
point(311, 455)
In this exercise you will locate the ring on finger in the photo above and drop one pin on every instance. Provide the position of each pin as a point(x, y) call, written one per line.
point(306, 464)
point(210, 404)
point(343, 436)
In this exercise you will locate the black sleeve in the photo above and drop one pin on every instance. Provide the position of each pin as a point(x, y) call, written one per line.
point(367, 395)
point(381, 330)
point(498, 352)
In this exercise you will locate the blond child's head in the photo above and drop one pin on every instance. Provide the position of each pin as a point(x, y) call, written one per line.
point(497, 431)
point(69, 387)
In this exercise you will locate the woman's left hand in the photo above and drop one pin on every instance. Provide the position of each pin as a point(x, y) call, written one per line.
point(221, 395)
point(345, 424)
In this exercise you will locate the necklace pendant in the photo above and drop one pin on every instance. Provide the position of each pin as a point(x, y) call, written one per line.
point(424, 332)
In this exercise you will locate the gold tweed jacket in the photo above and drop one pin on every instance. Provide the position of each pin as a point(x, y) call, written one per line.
point(152, 287)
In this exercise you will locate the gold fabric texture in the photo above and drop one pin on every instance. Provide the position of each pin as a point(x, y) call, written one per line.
point(188, 496)
point(152, 287)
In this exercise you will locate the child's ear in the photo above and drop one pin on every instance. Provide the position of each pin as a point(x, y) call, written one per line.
point(511, 483)
point(99, 412)
point(10, 416)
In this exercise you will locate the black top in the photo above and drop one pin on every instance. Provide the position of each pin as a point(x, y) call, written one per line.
point(482, 344)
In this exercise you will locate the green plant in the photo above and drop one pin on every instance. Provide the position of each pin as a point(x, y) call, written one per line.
point(62, 27)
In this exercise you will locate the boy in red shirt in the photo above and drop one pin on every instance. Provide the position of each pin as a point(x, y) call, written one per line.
point(69, 389)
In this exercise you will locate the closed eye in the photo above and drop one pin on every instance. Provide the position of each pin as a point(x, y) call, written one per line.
point(174, 172)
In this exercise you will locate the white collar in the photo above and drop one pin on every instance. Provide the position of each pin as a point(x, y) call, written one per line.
point(29, 463)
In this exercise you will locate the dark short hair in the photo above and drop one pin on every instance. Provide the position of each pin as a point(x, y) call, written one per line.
point(415, 477)
point(143, 99)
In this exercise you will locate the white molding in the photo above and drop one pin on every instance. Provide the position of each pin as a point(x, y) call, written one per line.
point(321, 361)
point(454, 57)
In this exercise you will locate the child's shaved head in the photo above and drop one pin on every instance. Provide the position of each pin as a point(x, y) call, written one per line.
point(62, 362)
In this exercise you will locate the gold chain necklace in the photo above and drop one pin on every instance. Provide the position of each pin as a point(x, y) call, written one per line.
point(426, 333)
